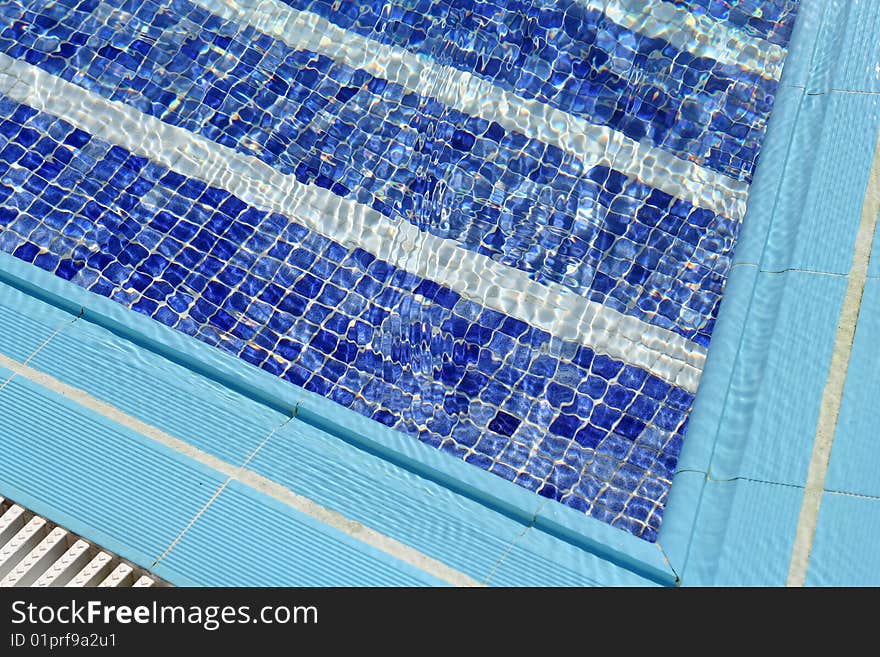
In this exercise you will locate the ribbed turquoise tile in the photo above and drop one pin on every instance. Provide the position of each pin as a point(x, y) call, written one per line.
point(777, 197)
point(168, 396)
point(744, 534)
point(152, 336)
point(246, 538)
point(833, 199)
point(858, 49)
point(95, 477)
point(537, 559)
point(815, 212)
point(855, 455)
point(447, 526)
point(804, 55)
point(844, 549)
point(26, 324)
point(769, 421)
point(715, 382)
point(193, 408)
point(827, 35)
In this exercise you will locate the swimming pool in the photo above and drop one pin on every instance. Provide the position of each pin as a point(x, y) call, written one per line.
point(501, 229)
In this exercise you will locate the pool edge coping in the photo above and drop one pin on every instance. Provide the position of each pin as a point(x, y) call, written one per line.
point(686, 510)
point(616, 547)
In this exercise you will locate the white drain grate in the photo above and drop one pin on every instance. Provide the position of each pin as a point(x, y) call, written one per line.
point(37, 552)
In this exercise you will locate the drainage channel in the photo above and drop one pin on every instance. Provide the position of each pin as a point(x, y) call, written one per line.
point(36, 552)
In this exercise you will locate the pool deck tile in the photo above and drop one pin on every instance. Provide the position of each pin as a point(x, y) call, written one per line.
point(845, 548)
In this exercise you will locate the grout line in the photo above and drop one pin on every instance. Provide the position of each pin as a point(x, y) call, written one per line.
point(787, 270)
point(729, 480)
point(513, 542)
point(846, 493)
point(857, 92)
point(832, 394)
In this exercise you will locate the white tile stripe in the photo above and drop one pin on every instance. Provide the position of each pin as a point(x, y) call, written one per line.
point(698, 35)
point(832, 394)
point(551, 308)
point(594, 145)
point(250, 478)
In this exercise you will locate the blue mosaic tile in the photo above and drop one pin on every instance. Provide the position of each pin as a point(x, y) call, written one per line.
point(405, 351)
point(572, 57)
point(521, 202)
point(769, 19)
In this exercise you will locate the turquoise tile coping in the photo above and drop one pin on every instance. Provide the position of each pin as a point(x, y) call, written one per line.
point(216, 420)
point(748, 425)
point(566, 524)
point(769, 420)
point(746, 535)
point(818, 145)
point(167, 360)
point(104, 482)
point(248, 539)
point(535, 559)
point(705, 419)
point(29, 329)
point(805, 42)
point(388, 498)
point(824, 142)
point(837, 167)
point(772, 185)
point(845, 549)
point(825, 35)
point(835, 47)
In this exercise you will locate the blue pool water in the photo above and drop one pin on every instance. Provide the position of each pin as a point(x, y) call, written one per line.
point(502, 228)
